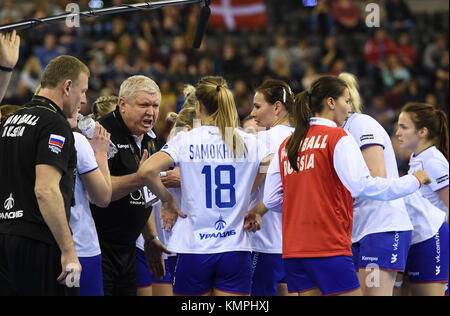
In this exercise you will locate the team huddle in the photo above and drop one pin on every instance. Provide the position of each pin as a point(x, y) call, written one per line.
point(307, 202)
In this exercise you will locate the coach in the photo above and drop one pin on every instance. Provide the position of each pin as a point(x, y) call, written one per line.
point(37, 160)
point(120, 224)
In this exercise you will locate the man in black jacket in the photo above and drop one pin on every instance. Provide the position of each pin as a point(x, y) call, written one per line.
point(120, 224)
point(38, 160)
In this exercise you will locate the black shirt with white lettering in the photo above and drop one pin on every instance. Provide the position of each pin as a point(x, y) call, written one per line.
point(38, 133)
point(123, 220)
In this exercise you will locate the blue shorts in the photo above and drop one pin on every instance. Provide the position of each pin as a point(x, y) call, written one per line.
point(197, 274)
point(332, 275)
point(386, 251)
point(169, 264)
point(267, 272)
point(91, 280)
point(144, 278)
point(428, 260)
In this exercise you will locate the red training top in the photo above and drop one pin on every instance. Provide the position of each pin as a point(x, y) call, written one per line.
point(317, 208)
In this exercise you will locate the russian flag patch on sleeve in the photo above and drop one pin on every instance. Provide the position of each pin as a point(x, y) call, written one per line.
point(56, 143)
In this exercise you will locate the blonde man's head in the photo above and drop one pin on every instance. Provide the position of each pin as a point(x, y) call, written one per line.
point(131, 85)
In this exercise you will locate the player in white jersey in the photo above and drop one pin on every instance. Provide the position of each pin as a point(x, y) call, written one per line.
point(272, 110)
point(92, 181)
point(382, 230)
point(218, 165)
point(423, 129)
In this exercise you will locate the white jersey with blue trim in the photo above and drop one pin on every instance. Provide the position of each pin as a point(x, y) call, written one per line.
point(372, 216)
point(81, 222)
point(269, 238)
point(215, 191)
point(434, 163)
point(425, 216)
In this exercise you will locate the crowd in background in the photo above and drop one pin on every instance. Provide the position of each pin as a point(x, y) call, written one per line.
point(405, 59)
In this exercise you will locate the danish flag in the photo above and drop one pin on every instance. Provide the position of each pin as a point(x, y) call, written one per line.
point(238, 14)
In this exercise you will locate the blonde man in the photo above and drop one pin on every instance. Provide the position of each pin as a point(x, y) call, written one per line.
point(120, 224)
point(38, 159)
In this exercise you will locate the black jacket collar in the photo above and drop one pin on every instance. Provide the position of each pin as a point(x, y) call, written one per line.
point(43, 101)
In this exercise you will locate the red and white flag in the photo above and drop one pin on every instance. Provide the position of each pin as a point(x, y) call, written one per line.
point(238, 14)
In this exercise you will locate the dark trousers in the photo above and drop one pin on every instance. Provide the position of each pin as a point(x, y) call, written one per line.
point(30, 268)
point(119, 269)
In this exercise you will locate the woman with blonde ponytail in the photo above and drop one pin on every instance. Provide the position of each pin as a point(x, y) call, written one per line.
point(377, 225)
point(218, 165)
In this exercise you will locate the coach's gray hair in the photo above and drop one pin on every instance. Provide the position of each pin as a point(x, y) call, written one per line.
point(131, 85)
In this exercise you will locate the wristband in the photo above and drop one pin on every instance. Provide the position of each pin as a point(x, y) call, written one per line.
point(5, 69)
point(420, 183)
point(150, 239)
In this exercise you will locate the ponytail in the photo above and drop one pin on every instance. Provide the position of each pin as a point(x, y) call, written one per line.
point(442, 143)
point(213, 93)
point(353, 87)
point(302, 114)
point(227, 120)
point(306, 105)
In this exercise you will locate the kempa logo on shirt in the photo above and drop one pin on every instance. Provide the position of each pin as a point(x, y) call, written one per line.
point(8, 205)
point(123, 146)
point(364, 258)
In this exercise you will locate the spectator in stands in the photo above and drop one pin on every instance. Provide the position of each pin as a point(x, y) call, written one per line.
point(394, 70)
point(399, 15)
point(347, 15)
point(260, 71)
point(231, 64)
point(119, 71)
point(277, 51)
point(330, 53)
point(337, 67)
point(378, 48)
point(321, 18)
point(413, 92)
point(302, 54)
point(69, 40)
point(96, 80)
point(383, 114)
point(168, 104)
point(10, 12)
point(127, 48)
point(441, 93)
point(242, 98)
point(406, 51)
point(310, 76)
point(31, 73)
point(49, 50)
point(434, 52)
point(395, 97)
point(177, 70)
